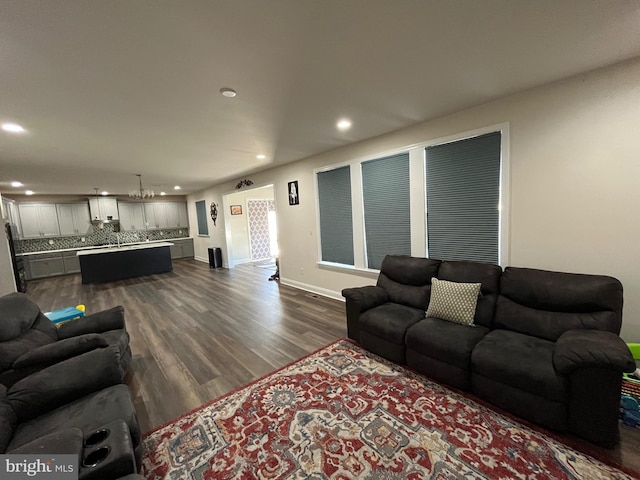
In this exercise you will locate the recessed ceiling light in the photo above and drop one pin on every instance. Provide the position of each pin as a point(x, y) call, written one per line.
point(104, 193)
point(261, 157)
point(16, 184)
point(29, 192)
point(344, 124)
point(177, 187)
point(13, 128)
point(228, 92)
point(163, 193)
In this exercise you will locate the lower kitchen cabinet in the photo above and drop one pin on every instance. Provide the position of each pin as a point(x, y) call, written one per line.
point(182, 248)
point(45, 265)
point(71, 262)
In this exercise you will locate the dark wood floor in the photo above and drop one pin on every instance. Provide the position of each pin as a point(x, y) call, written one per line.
point(197, 333)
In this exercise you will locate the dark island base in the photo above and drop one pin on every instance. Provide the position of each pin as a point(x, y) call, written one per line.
point(118, 265)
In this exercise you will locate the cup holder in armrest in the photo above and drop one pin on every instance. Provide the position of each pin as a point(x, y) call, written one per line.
point(97, 437)
point(95, 457)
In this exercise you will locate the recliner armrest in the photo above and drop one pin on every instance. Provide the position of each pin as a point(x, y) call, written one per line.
point(62, 442)
point(61, 350)
point(65, 382)
point(591, 348)
point(366, 297)
point(111, 319)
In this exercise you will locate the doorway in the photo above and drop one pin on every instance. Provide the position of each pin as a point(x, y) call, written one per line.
point(251, 225)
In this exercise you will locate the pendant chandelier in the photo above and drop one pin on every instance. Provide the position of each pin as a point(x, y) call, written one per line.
point(141, 193)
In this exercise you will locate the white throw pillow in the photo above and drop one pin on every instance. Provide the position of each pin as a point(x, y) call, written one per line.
point(452, 301)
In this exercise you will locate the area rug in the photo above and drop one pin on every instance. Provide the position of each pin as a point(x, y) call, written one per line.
point(344, 413)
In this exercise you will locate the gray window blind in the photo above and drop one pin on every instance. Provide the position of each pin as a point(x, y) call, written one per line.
point(336, 225)
point(201, 212)
point(463, 193)
point(387, 215)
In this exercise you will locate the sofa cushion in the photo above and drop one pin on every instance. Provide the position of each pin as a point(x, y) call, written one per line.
point(390, 321)
point(453, 301)
point(11, 350)
point(8, 420)
point(17, 315)
point(445, 341)
point(407, 280)
point(521, 361)
point(486, 274)
point(547, 304)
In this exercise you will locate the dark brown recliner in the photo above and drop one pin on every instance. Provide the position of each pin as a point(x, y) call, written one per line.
point(29, 341)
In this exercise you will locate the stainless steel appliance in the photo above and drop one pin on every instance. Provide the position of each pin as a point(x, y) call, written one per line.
point(18, 262)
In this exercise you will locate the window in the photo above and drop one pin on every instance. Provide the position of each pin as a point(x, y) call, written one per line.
point(463, 196)
point(386, 199)
point(336, 219)
point(201, 212)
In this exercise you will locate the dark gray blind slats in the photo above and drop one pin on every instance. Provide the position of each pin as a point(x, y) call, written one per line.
point(336, 224)
point(463, 194)
point(387, 214)
point(201, 212)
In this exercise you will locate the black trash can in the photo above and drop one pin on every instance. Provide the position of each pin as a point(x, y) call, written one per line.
point(215, 257)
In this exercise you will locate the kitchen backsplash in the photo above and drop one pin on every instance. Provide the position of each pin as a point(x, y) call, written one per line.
point(98, 236)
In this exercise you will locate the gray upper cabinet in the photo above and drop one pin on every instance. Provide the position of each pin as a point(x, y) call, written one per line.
point(131, 216)
point(103, 208)
point(74, 218)
point(166, 214)
point(38, 220)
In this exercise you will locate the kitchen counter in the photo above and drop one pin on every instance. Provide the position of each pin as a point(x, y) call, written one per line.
point(124, 248)
point(93, 247)
point(109, 264)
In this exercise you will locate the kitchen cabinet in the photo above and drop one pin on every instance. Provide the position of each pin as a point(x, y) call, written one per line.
point(71, 262)
point(74, 218)
point(182, 248)
point(166, 215)
point(44, 265)
point(11, 215)
point(131, 216)
point(103, 208)
point(38, 220)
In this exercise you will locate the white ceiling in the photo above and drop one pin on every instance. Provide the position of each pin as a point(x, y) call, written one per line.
point(111, 88)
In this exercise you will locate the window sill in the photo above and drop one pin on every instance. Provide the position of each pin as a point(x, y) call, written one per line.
point(341, 268)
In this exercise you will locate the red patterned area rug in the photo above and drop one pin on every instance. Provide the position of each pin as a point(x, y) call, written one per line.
point(343, 413)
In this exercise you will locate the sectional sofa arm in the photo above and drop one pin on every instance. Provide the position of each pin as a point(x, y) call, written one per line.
point(591, 348)
point(366, 297)
point(64, 382)
point(111, 319)
point(68, 441)
point(61, 350)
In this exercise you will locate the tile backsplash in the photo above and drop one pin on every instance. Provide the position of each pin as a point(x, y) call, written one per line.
point(98, 236)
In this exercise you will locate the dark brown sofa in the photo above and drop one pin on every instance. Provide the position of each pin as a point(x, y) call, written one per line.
point(543, 345)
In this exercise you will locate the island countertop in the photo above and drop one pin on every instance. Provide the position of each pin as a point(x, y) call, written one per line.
point(125, 248)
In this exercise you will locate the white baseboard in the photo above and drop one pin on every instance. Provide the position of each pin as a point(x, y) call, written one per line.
point(325, 292)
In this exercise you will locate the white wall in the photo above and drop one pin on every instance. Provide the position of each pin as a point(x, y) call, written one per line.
point(575, 184)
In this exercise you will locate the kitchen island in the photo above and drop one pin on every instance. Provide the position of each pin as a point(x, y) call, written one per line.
point(108, 264)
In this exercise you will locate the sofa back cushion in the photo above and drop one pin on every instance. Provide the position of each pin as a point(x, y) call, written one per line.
point(486, 274)
point(407, 280)
point(547, 304)
point(17, 315)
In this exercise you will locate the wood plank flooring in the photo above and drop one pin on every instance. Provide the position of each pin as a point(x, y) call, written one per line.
point(198, 333)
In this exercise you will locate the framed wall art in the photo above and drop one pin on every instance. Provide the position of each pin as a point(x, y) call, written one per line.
point(294, 196)
point(236, 209)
